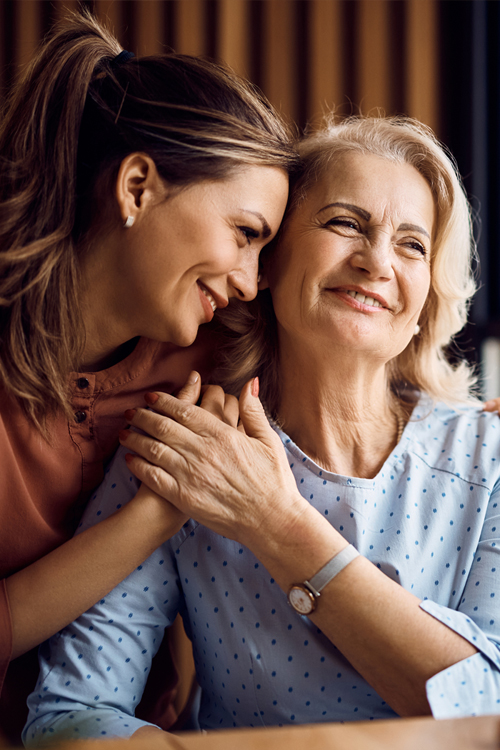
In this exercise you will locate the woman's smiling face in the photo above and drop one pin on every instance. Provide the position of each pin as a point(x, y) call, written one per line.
point(352, 266)
point(190, 250)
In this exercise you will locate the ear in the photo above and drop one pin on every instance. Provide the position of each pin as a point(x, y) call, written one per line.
point(138, 185)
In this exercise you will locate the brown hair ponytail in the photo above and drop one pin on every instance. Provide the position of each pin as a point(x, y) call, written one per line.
point(66, 128)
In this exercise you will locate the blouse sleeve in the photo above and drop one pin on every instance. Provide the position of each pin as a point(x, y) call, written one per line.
point(93, 673)
point(472, 686)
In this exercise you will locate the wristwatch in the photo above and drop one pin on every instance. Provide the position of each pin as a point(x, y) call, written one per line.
point(302, 597)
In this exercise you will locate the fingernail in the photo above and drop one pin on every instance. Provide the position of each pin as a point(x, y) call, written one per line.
point(193, 378)
point(489, 405)
point(128, 457)
point(255, 387)
point(130, 414)
point(151, 398)
point(123, 435)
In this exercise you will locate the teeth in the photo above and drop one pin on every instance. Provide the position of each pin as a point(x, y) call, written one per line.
point(365, 300)
point(209, 297)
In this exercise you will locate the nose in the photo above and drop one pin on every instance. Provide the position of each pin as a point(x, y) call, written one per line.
point(374, 258)
point(242, 280)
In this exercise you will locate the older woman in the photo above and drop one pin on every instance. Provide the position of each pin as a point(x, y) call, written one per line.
point(369, 505)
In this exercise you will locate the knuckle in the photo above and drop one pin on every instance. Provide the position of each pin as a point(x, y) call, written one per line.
point(217, 390)
point(156, 450)
point(183, 411)
point(155, 477)
point(162, 430)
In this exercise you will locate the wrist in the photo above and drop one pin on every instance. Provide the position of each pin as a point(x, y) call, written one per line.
point(157, 518)
point(296, 547)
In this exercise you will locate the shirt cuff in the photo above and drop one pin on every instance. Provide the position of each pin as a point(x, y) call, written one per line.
point(471, 686)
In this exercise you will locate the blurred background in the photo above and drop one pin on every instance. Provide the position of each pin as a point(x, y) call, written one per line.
point(436, 60)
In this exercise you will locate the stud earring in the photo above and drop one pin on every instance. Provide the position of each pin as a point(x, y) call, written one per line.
point(259, 277)
point(417, 330)
point(129, 222)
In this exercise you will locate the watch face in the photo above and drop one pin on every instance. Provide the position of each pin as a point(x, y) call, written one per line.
point(301, 600)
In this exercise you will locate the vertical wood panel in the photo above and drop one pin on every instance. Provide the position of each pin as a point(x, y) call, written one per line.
point(234, 35)
point(373, 46)
point(279, 55)
point(150, 23)
point(190, 27)
point(61, 7)
point(325, 90)
point(29, 33)
point(109, 12)
point(422, 61)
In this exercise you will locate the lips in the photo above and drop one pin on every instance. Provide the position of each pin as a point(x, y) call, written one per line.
point(364, 297)
point(370, 301)
point(209, 297)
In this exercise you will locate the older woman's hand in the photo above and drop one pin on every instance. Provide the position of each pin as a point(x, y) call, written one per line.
point(237, 484)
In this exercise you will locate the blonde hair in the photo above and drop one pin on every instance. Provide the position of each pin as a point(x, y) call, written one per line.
point(65, 130)
point(252, 347)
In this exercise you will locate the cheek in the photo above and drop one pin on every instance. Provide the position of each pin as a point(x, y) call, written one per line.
point(417, 287)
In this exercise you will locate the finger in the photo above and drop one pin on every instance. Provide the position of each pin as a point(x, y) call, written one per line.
point(222, 405)
point(156, 479)
point(190, 391)
point(252, 415)
point(492, 405)
point(154, 451)
point(232, 410)
point(192, 418)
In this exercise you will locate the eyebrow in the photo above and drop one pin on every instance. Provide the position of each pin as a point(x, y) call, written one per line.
point(367, 216)
point(413, 228)
point(350, 207)
point(266, 229)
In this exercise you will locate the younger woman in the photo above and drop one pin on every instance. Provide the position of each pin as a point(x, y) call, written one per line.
point(135, 197)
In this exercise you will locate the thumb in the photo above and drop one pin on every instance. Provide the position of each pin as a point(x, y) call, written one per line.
point(252, 415)
point(191, 389)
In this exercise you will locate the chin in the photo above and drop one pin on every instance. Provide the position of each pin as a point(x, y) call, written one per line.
point(183, 338)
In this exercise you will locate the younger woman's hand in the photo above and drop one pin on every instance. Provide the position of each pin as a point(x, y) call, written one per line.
point(492, 405)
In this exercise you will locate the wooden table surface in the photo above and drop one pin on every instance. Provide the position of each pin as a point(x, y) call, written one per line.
point(482, 733)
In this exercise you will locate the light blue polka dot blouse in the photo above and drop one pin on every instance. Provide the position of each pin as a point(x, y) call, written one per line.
point(430, 521)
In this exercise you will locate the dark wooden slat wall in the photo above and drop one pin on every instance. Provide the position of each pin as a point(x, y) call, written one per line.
point(309, 56)
point(436, 60)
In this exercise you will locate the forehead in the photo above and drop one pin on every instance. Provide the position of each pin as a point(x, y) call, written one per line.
point(371, 181)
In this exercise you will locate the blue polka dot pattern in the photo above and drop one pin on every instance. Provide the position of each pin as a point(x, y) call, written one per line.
point(428, 520)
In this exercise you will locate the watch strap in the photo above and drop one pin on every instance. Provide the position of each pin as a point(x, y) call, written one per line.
point(331, 569)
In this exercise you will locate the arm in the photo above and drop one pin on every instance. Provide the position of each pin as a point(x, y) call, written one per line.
point(51, 592)
point(92, 673)
point(47, 595)
point(380, 627)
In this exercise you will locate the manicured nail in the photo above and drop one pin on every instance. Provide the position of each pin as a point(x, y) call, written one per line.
point(128, 457)
point(255, 387)
point(130, 414)
point(193, 378)
point(151, 398)
point(123, 435)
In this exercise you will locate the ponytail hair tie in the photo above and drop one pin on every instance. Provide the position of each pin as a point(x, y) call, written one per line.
point(123, 57)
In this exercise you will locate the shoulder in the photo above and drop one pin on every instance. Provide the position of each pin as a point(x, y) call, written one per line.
point(459, 439)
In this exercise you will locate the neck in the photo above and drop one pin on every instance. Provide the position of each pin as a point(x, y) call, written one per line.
point(337, 408)
point(109, 336)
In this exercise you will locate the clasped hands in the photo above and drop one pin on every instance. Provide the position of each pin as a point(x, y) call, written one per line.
point(219, 463)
